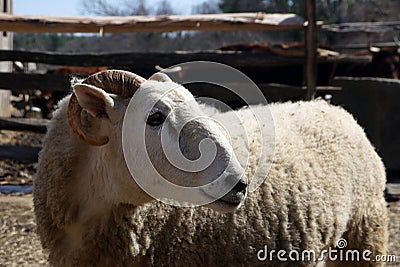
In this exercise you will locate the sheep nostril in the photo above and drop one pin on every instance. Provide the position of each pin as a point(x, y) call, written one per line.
point(240, 186)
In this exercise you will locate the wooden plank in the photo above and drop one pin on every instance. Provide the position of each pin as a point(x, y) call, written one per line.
point(369, 27)
point(165, 23)
point(311, 50)
point(24, 154)
point(146, 60)
point(21, 125)
point(150, 60)
point(21, 82)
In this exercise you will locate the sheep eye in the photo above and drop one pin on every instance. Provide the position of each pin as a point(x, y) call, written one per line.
point(156, 118)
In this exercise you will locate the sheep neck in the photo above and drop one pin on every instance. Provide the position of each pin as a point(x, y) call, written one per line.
point(94, 193)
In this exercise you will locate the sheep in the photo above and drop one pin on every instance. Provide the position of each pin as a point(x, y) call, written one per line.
point(325, 183)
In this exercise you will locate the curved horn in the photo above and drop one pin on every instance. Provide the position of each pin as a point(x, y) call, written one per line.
point(122, 83)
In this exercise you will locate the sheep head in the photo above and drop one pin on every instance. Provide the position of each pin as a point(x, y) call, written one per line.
point(162, 109)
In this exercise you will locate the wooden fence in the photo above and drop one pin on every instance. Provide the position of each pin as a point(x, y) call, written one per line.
point(20, 82)
point(206, 22)
point(138, 62)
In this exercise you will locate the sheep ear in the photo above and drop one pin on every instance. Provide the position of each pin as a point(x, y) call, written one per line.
point(95, 100)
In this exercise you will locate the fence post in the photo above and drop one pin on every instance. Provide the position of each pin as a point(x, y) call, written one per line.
point(5, 43)
point(311, 50)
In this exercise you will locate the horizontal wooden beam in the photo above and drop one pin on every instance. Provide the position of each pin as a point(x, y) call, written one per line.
point(368, 27)
point(165, 23)
point(149, 60)
point(24, 154)
point(21, 82)
point(22, 125)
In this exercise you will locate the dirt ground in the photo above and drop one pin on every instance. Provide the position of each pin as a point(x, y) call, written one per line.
point(19, 244)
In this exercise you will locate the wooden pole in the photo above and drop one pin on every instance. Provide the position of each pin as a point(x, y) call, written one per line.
point(311, 50)
point(5, 43)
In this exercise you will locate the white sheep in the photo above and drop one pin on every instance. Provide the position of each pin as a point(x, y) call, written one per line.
point(326, 182)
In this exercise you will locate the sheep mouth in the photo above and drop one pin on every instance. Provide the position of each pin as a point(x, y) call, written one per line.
point(234, 198)
point(230, 202)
